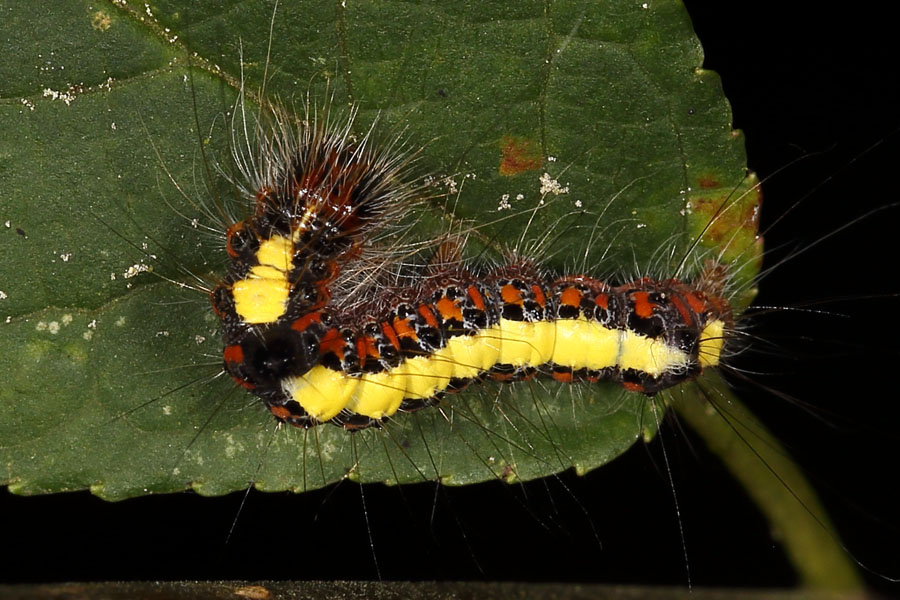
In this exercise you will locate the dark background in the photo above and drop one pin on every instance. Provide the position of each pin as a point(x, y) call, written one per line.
point(817, 96)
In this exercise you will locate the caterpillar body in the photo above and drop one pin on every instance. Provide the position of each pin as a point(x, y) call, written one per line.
point(311, 366)
point(295, 336)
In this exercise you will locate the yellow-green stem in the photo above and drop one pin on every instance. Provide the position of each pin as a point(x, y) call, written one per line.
point(754, 457)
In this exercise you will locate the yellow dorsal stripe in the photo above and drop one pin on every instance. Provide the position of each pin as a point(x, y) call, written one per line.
point(573, 343)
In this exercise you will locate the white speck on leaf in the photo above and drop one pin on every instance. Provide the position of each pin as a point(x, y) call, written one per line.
point(135, 270)
point(68, 96)
point(551, 186)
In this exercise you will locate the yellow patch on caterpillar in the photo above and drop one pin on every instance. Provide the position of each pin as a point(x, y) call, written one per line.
point(376, 396)
point(712, 338)
point(260, 300)
point(649, 355)
point(276, 253)
point(262, 296)
point(324, 392)
point(525, 344)
point(471, 355)
point(585, 344)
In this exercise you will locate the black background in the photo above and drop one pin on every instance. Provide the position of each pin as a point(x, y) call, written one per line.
point(816, 94)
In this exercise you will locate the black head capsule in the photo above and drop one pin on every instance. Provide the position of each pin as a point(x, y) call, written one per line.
point(266, 355)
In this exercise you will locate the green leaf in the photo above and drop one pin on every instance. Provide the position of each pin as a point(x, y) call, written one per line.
point(110, 379)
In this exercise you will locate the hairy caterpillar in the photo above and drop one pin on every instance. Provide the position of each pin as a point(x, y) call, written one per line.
point(316, 346)
point(289, 509)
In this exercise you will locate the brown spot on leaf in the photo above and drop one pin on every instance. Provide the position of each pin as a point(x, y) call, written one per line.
point(707, 182)
point(518, 155)
point(741, 215)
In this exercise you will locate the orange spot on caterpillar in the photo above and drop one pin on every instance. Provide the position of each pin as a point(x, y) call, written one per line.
point(306, 320)
point(280, 411)
point(476, 297)
point(570, 297)
point(448, 309)
point(518, 155)
point(332, 342)
point(429, 317)
point(696, 303)
point(510, 295)
point(403, 329)
point(563, 376)
point(642, 305)
point(234, 354)
point(683, 310)
point(539, 296)
point(366, 348)
point(391, 335)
